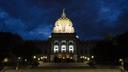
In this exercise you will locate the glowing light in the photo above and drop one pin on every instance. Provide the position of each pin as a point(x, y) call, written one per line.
point(92, 57)
point(120, 60)
point(71, 58)
point(38, 59)
point(34, 57)
point(63, 48)
point(41, 57)
point(77, 36)
point(88, 59)
point(19, 58)
point(63, 25)
point(63, 57)
point(50, 36)
point(56, 48)
point(6, 60)
point(71, 48)
point(85, 57)
point(25, 60)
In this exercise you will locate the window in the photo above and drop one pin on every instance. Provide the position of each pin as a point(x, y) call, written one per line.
point(63, 42)
point(70, 42)
point(56, 42)
point(63, 48)
point(56, 49)
point(71, 48)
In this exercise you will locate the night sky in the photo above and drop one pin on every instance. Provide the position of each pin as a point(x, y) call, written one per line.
point(92, 19)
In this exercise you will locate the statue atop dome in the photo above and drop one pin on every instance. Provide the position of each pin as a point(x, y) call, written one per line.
point(63, 14)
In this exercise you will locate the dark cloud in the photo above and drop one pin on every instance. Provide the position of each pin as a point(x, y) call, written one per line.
point(92, 19)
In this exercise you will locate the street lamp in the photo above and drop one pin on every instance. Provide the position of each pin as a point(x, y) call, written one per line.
point(25, 60)
point(19, 58)
point(41, 58)
point(92, 57)
point(6, 60)
point(88, 58)
point(34, 57)
point(85, 57)
point(18, 63)
point(38, 59)
point(121, 62)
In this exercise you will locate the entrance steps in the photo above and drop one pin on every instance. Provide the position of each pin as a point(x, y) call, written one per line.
point(63, 65)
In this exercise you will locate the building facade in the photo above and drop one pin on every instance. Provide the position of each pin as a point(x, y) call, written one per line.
point(64, 41)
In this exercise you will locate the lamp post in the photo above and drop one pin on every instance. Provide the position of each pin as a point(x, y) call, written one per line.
point(5, 60)
point(88, 59)
point(34, 57)
point(92, 57)
point(18, 63)
point(121, 62)
point(121, 65)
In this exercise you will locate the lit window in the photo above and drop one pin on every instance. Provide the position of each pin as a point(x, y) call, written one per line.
point(77, 36)
point(71, 48)
point(63, 41)
point(56, 49)
point(63, 48)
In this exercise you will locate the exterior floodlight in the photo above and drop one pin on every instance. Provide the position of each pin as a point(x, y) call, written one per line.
point(19, 58)
point(41, 57)
point(88, 59)
point(85, 57)
point(38, 59)
point(77, 36)
point(25, 60)
point(63, 57)
point(34, 57)
point(92, 57)
point(70, 57)
point(6, 60)
point(120, 60)
point(50, 36)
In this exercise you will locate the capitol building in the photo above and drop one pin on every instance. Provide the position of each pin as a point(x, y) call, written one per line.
point(63, 45)
point(64, 42)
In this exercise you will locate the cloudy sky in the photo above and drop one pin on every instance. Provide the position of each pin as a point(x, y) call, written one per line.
point(92, 19)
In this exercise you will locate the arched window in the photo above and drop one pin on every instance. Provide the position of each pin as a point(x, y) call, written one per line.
point(71, 48)
point(63, 42)
point(63, 48)
point(56, 48)
point(56, 42)
point(70, 41)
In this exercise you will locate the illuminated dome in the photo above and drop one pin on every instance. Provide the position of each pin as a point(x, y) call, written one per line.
point(63, 25)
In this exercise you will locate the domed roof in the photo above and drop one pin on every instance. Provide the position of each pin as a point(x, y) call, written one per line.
point(63, 25)
point(63, 20)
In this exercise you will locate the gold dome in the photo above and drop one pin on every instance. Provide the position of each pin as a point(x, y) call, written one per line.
point(63, 20)
point(63, 25)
